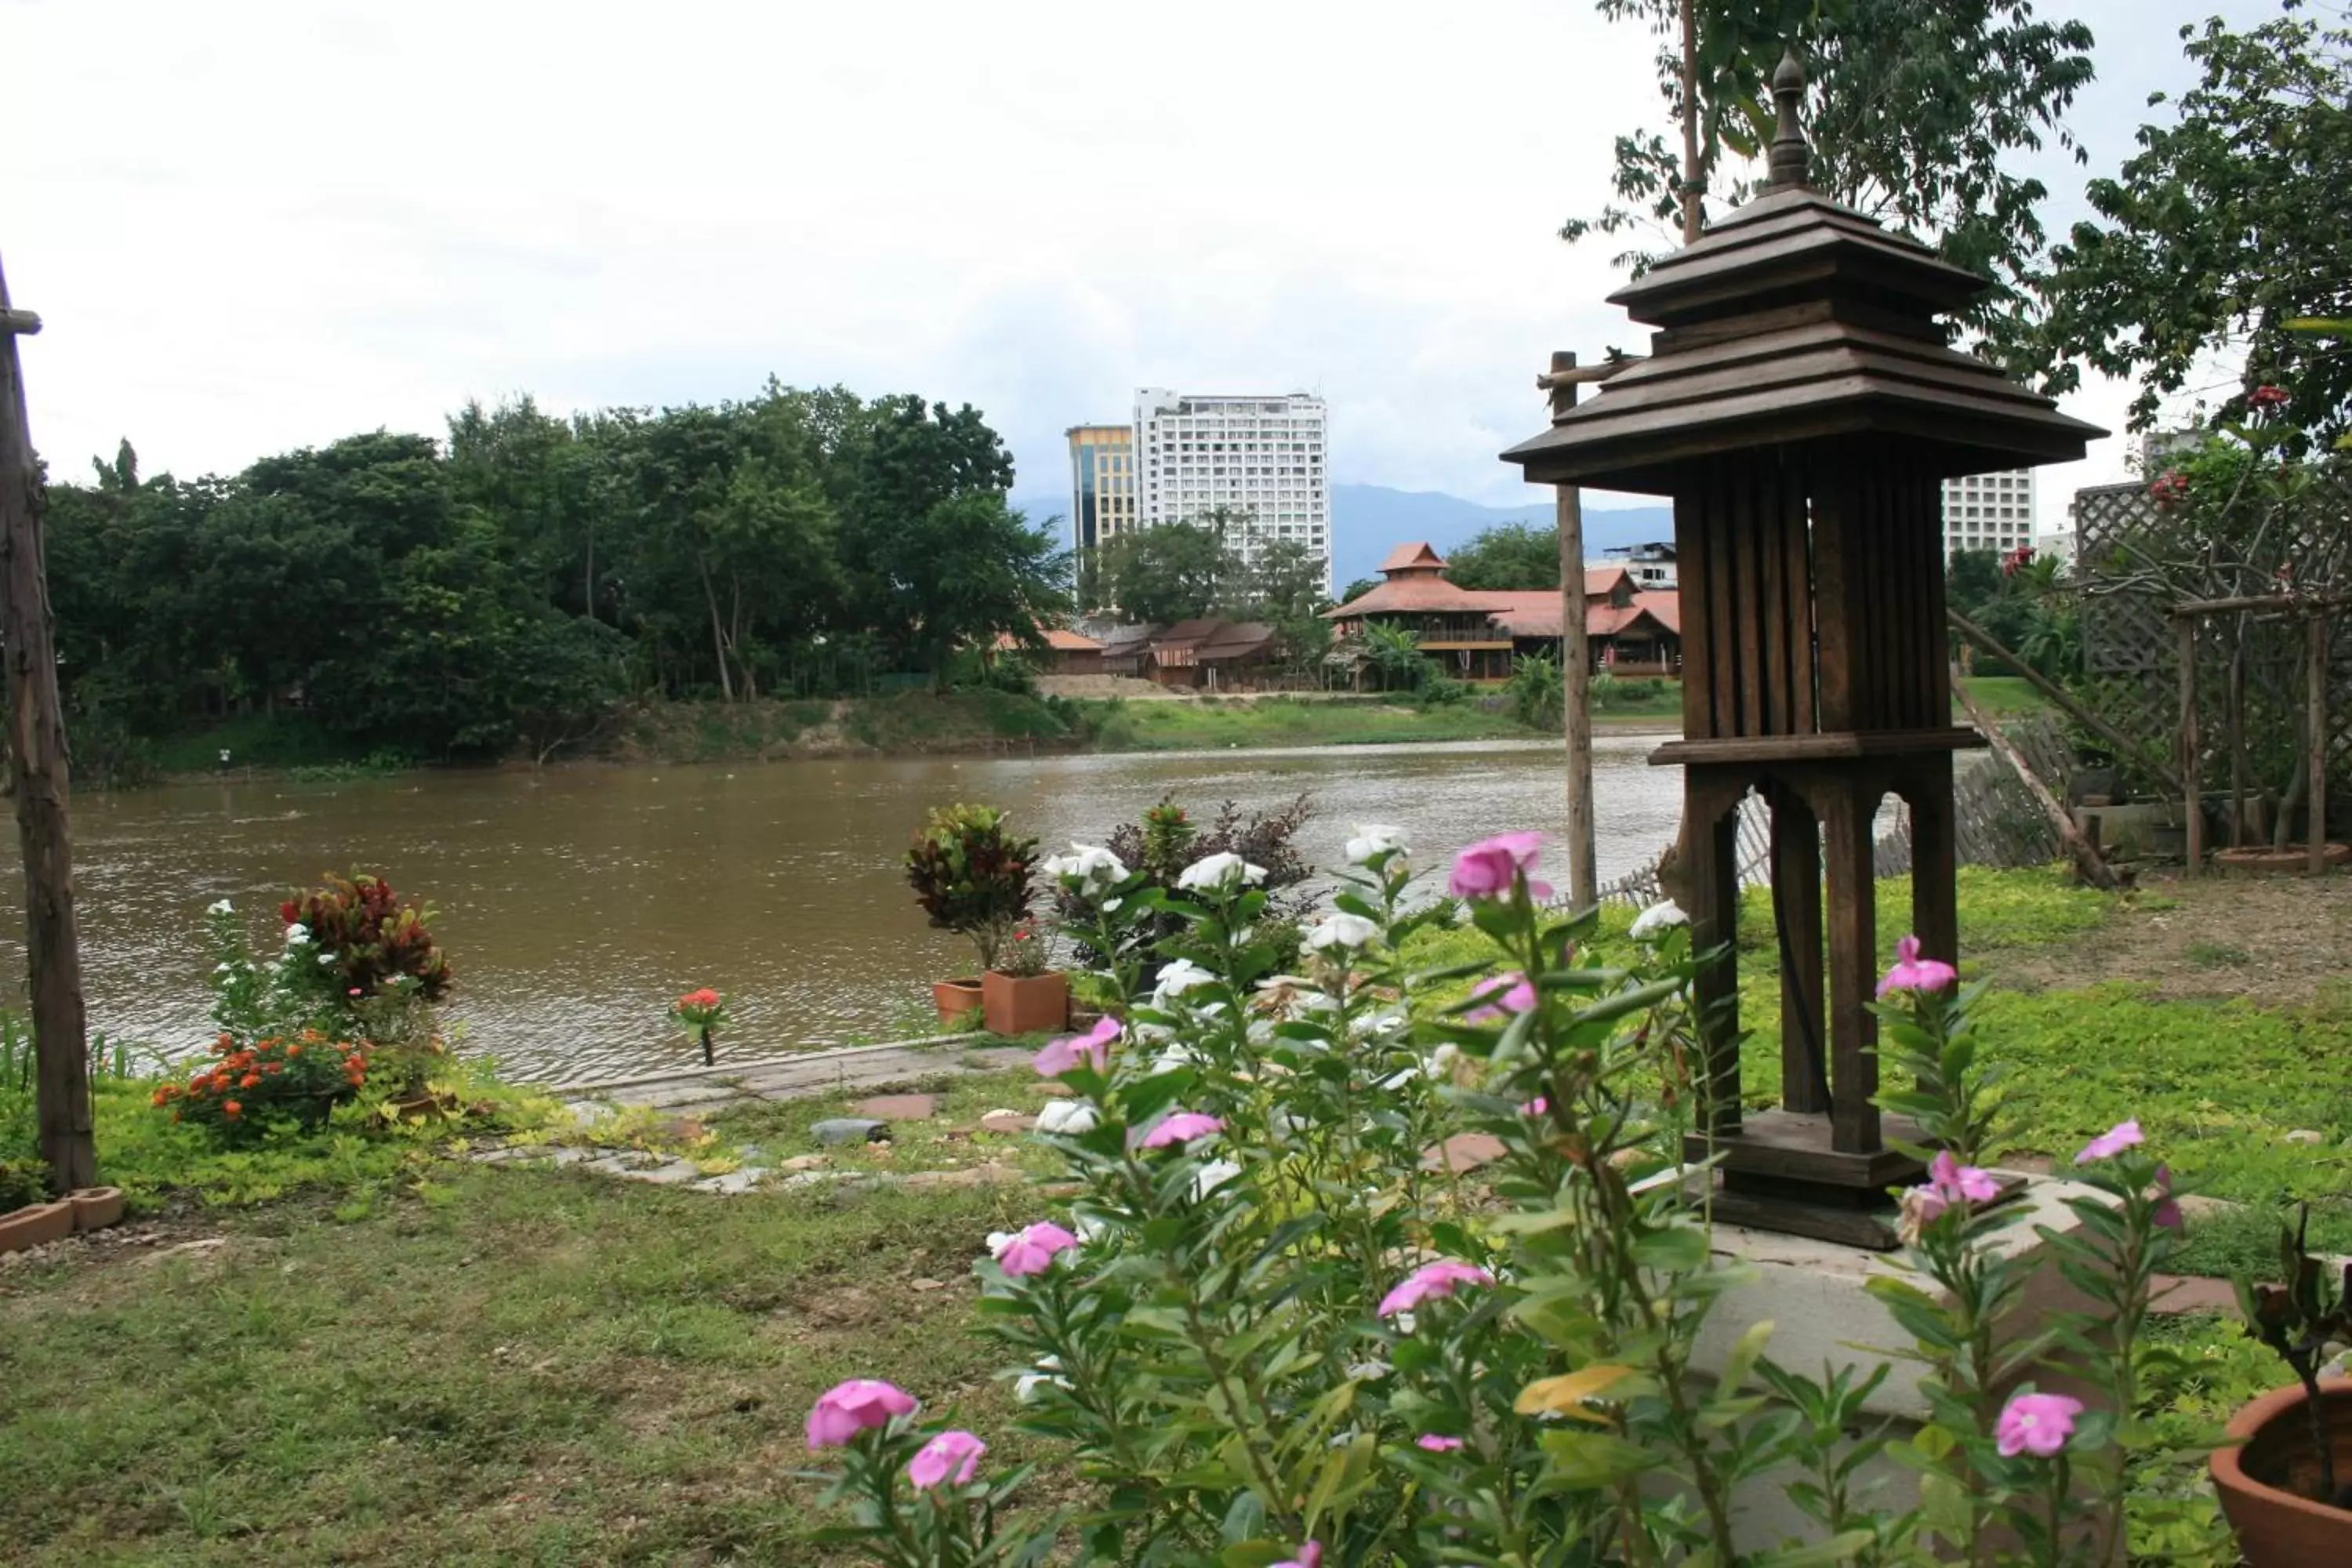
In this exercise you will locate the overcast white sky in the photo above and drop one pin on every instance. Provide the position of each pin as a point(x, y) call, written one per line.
point(254, 225)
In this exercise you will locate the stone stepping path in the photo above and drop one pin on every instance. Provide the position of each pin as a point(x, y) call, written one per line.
point(801, 1077)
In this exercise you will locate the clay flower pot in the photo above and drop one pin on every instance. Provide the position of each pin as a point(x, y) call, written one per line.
point(35, 1225)
point(1025, 1005)
point(95, 1208)
point(954, 998)
point(2266, 1482)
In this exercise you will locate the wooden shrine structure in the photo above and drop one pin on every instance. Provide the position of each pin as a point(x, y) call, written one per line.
point(1802, 408)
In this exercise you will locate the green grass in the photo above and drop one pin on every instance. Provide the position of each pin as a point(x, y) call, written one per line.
point(2003, 697)
point(257, 740)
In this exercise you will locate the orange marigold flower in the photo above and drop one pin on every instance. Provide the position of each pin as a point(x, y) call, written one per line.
point(293, 1050)
point(250, 1080)
point(231, 1108)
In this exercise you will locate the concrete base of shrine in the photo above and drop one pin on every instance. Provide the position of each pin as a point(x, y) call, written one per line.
point(1815, 1295)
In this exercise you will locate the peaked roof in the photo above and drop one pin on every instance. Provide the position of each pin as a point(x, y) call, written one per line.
point(1414, 557)
point(1419, 595)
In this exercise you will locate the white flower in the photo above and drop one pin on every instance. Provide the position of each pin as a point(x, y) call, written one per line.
point(1179, 977)
point(1068, 1116)
point(222, 908)
point(1373, 839)
point(1442, 1059)
point(1221, 870)
point(1342, 930)
point(326, 961)
point(1025, 1386)
point(224, 967)
point(997, 1240)
point(1657, 917)
point(1399, 1078)
point(1090, 866)
point(1369, 1371)
point(297, 934)
point(1088, 1228)
point(1174, 1056)
point(1212, 1177)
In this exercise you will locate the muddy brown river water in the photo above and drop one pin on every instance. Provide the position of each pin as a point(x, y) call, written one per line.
point(576, 903)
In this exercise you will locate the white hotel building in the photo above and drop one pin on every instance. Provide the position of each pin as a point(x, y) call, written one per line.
point(1989, 512)
point(1256, 454)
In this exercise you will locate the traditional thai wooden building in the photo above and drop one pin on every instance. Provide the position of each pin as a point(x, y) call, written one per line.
point(1477, 634)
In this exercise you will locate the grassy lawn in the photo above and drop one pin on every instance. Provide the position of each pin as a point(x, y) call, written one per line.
point(1214, 724)
point(405, 1358)
point(2003, 697)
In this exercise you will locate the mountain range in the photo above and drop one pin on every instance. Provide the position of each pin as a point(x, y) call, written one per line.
point(1370, 520)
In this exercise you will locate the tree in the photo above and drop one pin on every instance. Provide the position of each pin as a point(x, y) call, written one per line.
point(1358, 588)
point(2223, 237)
point(1912, 106)
point(1172, 572)
point(1396, 658)
point(1507, 555)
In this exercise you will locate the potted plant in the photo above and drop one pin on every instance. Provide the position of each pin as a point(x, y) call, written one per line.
point(971, 874)
point(1020, 994)
point(2287, 1479)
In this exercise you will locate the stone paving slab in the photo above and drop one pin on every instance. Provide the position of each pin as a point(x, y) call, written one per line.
point(798, 1077)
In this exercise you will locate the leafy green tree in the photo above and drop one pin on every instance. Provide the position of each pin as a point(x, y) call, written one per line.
point(1507, 555)
point(1537, 692)
point(1396, 658)
point(1358, 588)
point(2222, 242)
point(1172, 572)
point(1917, 110)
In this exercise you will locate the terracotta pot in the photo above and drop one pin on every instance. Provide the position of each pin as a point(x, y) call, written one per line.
point(2265, 1483)
point(2293, 862)
point(954, 998)
point(1025, 1005)
point(35, 1225)
point(95, 1208)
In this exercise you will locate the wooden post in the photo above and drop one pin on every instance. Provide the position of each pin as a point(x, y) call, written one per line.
point(1575, 666)
point(2316, 720)
point(2192, 779)
point(39, 767)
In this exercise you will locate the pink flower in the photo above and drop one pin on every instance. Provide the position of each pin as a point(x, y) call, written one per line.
point(1506, 996)
point(952, 1456)
point(1182, 1127)
point(1032, 1251)
point(1436, 1443)
point(1309, 1556)
point(1432, 1280)
point(1953, 1179)
point(1490, 867)
point(2167, 1213)
point(1065, 1054)
point(2037, 1424)
point(2113, 1140)
point(1912, 972)
point(1535, 1107)
point(849, 1408)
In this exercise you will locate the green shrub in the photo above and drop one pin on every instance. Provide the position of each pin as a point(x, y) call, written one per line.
point(971, 874)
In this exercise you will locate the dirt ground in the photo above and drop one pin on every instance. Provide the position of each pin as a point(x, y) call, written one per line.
point(2280, 938)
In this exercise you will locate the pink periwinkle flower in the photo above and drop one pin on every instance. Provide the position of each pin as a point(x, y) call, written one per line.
point(1953, 1179)
point(1182, 1127)
point(1535, 1107)
point(1504, 996)
point(2167, 1213)
point(1432, 1280)
point(1488, 869)
point(2037, 1424)
point(1309, 1556)
point(1032, 1251)
point(1437, 1443)
point(1070, 1051)
point(952, 1456)
point(847, 1409)
point(1912, 972)
point(2111, 1143)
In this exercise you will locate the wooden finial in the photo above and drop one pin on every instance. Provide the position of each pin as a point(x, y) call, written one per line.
point(1791, 157)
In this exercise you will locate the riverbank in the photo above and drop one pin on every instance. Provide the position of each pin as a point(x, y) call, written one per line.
point(407, 1357)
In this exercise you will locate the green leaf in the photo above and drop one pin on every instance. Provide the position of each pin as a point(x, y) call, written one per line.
point(1584, 1461)
point(1678, 1249)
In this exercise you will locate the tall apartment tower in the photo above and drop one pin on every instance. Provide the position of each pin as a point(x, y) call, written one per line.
point(1989, 512)
point(1261, 456)
point(1102, 483)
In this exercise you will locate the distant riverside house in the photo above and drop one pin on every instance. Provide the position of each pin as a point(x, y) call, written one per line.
point(1477, 634)
point(1066, 652)
point(1207, 655)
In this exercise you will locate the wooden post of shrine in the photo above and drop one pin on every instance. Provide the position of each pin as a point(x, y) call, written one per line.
point(36, 760)
point(1575, 661)
point(1802, 408)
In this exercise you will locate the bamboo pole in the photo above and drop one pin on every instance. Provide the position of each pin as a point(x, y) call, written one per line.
point(2065, 700)
point(38, 764)
point(2087, 859)
point(2315, 705)
point(1575, 665)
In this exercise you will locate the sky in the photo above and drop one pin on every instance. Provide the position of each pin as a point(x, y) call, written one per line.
point(256, 224)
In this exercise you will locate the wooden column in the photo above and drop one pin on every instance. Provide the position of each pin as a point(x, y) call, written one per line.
point(1711, 833)
point(1797, 910)
point(1935, 859)
point(38, 766)
point(2192, 744)
point(1575, 666)
point(2316, 721)
point(1854, 965)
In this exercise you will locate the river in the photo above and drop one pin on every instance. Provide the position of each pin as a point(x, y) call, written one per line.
point(575, 903)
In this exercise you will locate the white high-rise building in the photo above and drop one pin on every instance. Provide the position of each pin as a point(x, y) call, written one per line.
point(1262, 456)
point(1989, 512)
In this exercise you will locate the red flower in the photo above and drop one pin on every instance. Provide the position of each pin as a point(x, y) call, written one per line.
point(2266, 396)
point(287, 910)
point(706, 997)
point(250, 1080)
point(232, 1110)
